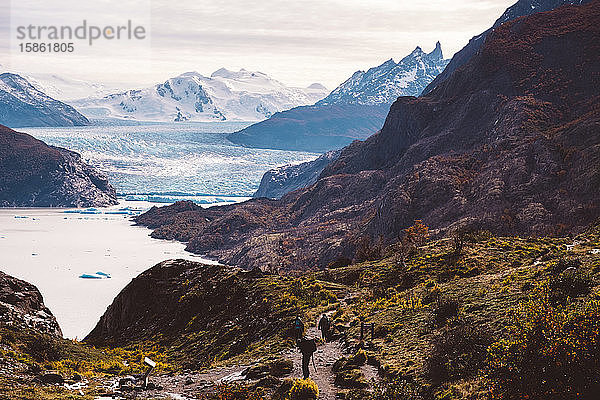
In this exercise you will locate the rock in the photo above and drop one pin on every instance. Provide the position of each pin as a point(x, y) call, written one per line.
point(127, 381)
point(519, 9)
point(21, 304)
point(52, 378)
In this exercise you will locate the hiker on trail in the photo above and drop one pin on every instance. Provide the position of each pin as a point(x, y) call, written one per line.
point(307, 348)
point(324, 327)
point(298, 328)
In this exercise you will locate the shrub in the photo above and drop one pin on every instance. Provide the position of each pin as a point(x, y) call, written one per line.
point(569, 284)
point(445, 308)
point(360, 358)
point(458, 351)
point(564, 263)
point(350, 378)
point(281, 367)
point(367, 250)
point(553, 351)
point(304, 389)
point(234, 392)
point(417, 234)
point(396, 390)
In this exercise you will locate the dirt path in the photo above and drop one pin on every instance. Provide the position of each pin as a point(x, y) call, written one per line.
point(326, 355)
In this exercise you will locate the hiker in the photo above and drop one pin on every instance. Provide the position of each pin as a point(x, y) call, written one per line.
point(324, 327)
point(307, 348)
point(298, 328)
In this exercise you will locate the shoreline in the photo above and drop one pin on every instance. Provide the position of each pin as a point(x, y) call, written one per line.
point(53, 247)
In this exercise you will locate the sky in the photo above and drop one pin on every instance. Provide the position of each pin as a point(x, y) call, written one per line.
point(296, 42)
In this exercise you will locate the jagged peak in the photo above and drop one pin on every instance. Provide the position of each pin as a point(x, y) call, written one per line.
point(417, 51)
point(437, 51)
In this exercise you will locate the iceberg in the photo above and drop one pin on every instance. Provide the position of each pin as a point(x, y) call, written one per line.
point(97, 275)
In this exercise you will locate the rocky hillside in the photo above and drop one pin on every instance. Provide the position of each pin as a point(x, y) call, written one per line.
point(21, 304)
point(279, 181)
point(21, 105)
point(203, 313)
point(509, 143)
point(33, 174)
point(519, 9)
point(354, 110)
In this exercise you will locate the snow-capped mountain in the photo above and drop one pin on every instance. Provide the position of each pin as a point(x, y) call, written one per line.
point(225, 95)
point(21, 105)
point(385, 83)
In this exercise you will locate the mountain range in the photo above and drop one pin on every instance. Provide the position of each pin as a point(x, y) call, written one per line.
point(354, 110)
point(223, 96)
point(22, 105)
point(509, 143)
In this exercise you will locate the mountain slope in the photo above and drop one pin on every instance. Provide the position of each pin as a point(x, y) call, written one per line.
point(314, 128)
point(225, 95)
point(510, 143)
point(354, 110)
point(279, 181)
point(22, 105)
point(519, 9)
point(33, 174)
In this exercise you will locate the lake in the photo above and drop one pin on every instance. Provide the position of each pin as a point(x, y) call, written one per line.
point(52, 248)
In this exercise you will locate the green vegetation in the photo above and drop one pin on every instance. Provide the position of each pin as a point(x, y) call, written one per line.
point(514, 317)
point(304, 389)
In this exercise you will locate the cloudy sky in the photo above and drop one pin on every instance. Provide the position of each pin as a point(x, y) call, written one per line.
point(297, 42)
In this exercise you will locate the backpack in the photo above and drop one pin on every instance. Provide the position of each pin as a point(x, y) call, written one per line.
point(307, 346)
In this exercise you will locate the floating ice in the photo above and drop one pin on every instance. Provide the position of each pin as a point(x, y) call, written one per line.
point(97, 275)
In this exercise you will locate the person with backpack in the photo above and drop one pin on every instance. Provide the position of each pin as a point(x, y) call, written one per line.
point(307, 348)
point(298, 328)
point(324, 327)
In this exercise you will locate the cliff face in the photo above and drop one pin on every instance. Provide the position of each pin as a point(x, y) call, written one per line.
point(33, 174)
point(279, 181)
point(509, 143)
point(21, 304)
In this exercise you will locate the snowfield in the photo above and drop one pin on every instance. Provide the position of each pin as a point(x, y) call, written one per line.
point(224, 96)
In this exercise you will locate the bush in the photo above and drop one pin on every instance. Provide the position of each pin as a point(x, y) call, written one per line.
point(234, 392)
point(553, 351)
point(445, 309)
point(457, 352)
point(569, 284)
point(304, 389)
point(396, 390)
point(281, 367)
point(360, 358)
point(350, 378)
